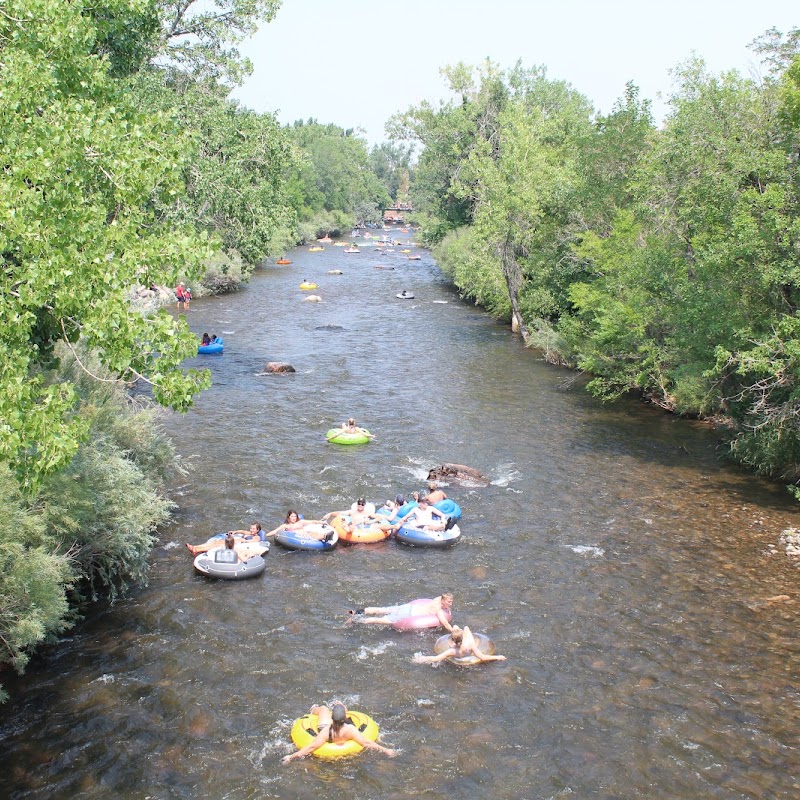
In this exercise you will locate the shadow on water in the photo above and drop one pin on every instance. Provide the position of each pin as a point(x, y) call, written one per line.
point(624, 569)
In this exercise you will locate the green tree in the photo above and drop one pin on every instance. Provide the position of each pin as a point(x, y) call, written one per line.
point(334, 176)
point(235, 164)
point(84, 171)
point(198, 37)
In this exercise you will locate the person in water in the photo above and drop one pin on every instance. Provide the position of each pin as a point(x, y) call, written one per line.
point(435, 494)
point(460, 644)
point(335, 728)
point(303, 526)
point(425, 516)
point(206, 340)
point(360, 517)
point(351, 427)
point(253, 534)
point(388, 615)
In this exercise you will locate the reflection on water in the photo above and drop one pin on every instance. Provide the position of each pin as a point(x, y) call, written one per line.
point(623, 570)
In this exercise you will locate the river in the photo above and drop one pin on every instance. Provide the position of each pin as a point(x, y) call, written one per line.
point(622, 567)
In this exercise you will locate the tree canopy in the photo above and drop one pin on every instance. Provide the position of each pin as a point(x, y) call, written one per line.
point(658, 260)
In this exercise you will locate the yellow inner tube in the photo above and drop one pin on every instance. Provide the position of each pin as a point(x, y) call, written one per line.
point(304, 731)
point(308, 285)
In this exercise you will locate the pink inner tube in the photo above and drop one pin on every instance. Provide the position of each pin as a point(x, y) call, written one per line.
point(415, 622)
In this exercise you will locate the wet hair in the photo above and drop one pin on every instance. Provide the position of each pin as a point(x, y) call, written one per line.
point(289, 514)
point(351, 421)
point(258, 525)
point(400, 499)
point(229, 541)
point(457, 634)
point(338, 716)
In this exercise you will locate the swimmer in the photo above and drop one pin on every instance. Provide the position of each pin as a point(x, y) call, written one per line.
point(388, 615)
point(334, 728)
point(461, 643)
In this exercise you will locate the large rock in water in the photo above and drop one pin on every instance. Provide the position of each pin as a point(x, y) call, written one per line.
point(278, 367)
point(458, 473)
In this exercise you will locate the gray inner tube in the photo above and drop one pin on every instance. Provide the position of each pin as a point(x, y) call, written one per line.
point(484, 643)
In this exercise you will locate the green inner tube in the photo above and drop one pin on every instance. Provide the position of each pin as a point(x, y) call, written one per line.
point(339, 436)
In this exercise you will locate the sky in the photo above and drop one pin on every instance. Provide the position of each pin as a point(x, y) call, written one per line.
point(355, 63)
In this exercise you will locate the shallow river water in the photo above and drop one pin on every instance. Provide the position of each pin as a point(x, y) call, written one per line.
point(619, 564)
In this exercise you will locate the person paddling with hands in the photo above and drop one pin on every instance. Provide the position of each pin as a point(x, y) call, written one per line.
point(461, 644)
point(334, 728)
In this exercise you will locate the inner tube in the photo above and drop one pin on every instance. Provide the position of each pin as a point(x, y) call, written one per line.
point(406, 507)
point(340, 436)
point(406, 295)
point(449, 508)
point(215, 347)
point(415, 622)
point(420, 537)
point(296, 540)
point(305, 730)
point(485, 645)
point(213, 565)
point(306, 286)
point(363, 534)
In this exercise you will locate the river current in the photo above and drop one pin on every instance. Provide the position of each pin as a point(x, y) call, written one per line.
point(619, 563)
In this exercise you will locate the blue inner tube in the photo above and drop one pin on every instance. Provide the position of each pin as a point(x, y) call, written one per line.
point(214, 347)
point(294, 540)
point(406, 507)
point(418, 537)
point(449, 508)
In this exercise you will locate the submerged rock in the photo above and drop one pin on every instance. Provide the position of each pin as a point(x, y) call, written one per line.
point(278, 367)
point(459, 473)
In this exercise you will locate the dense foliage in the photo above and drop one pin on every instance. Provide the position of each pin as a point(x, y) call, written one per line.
point(333, 187)
point(665, 261)
point(88, 529)
point(125, 164)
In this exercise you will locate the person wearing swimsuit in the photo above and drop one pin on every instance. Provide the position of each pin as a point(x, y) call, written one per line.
point(462, 643)
point(334, 728)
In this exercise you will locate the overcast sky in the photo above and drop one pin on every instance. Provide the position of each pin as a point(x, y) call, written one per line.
point(356, 62)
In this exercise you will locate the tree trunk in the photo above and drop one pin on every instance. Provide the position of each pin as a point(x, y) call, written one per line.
point(513, 276)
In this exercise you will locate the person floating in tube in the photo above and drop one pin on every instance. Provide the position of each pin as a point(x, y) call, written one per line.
point(334, 728)
point(439, 607)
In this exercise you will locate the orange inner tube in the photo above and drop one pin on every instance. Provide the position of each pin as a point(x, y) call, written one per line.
point(362, 533)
